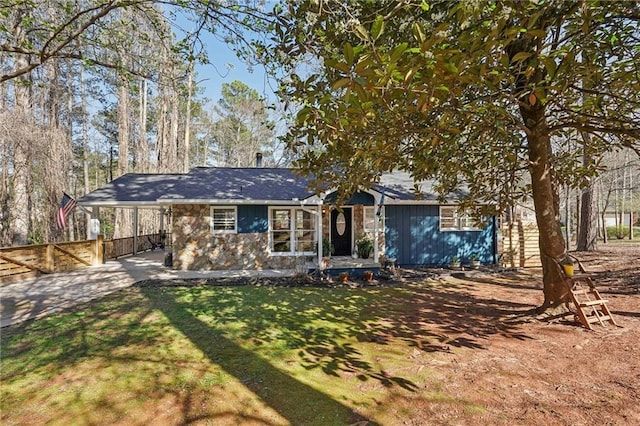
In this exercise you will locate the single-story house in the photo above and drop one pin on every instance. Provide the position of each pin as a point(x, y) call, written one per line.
point(267, 218)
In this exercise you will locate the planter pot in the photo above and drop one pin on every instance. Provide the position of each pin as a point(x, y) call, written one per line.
point(368, 276)
point(363, 254)
point(475, 264)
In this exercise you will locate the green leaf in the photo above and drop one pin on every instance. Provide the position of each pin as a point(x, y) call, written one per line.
point(521, 56)
point(537, 33)
point(377, 28)
point(337, 65)
point(348, 53)
point(397, 52)
point(451, 67)
point(550, 65)
point(409, 75)
point(418, 33)
point(341, 83)
point(362, 32)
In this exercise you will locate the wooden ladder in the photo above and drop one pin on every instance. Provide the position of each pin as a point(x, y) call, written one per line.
point(591, 307)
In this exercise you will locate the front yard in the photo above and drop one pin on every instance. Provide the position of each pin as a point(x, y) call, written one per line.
point(461, 350)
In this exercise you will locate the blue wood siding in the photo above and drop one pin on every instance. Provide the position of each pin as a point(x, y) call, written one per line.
point(414, 238)
point(252, 219)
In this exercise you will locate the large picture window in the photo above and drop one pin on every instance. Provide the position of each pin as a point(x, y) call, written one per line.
point(292, 230)
point(452, 220)
point(223, 220)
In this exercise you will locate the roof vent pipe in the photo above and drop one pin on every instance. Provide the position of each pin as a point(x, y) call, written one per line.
point(258, 159)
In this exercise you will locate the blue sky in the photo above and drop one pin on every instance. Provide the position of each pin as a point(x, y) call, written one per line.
point(225, 67)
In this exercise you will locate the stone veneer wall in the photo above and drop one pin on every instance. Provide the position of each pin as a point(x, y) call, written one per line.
point(358, 221)
point(326, 217)
point(196, 248)
point(358, 225)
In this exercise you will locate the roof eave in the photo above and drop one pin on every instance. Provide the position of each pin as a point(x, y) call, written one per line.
point(118, 203)
point(233, 202)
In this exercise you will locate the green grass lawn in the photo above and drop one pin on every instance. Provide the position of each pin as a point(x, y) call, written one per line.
point(223, 355)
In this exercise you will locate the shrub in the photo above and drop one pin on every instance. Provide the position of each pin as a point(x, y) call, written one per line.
point(613, 232)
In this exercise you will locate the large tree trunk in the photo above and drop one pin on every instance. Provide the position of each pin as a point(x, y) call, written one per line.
point(588, 227)
point(187, 124)
point(143, 146)
point(588, 221)
point(124, 222)
point(20, 201)
point(546, 202)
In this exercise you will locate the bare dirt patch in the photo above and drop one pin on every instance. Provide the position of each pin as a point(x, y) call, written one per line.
point(529, 372)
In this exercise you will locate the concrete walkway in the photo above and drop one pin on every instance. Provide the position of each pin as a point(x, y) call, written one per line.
point(37, 297)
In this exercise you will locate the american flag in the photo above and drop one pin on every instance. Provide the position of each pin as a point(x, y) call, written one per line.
point(66, 207)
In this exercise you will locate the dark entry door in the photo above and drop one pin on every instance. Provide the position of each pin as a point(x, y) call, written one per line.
point(341, 231)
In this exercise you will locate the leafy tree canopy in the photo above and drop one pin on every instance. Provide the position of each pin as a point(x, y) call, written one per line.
point(437, 88)
point(470, 93)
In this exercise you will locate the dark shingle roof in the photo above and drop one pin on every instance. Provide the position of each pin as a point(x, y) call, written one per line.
point(202, 184)
point(233, 185)
point(241, 184)
point(400, 186)
point(132, 189)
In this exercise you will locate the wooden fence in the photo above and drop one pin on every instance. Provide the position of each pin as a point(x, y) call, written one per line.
point(520, 247)
point(119, 247)
point(29, 261)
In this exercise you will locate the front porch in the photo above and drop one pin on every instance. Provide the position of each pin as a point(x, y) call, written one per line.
point(354, 267)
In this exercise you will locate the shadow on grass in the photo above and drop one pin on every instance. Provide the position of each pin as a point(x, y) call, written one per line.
point(280, 391)
point(358, 335)
point(321, 325)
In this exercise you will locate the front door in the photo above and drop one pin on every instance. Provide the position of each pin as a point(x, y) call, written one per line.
point(341, 231)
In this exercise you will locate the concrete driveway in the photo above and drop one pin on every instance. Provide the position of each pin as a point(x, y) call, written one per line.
point(37, 297)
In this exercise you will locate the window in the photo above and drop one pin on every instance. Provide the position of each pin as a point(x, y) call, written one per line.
point(305, 231)
point(292, 230)
point(452, 220)
point(223, 220)
point(280, 230)
point(369, 218)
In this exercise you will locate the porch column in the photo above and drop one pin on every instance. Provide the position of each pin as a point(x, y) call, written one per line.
point(376, 253)
point(135, 230)
point(162, 211)
point(93, 223)
point(319, 231)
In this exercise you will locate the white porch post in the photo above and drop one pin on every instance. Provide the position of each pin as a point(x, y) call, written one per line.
point(92, 234)
point(135, 230)
point(319, 228)
point(376, 253)
point(162, 211)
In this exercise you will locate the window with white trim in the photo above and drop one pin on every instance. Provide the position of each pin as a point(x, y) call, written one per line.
point(369, 217)
point(224, 220)
point(453, 220)
point(292, 230)
point(280, 227)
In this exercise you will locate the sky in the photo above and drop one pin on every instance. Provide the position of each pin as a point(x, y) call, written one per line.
point(225, 67)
